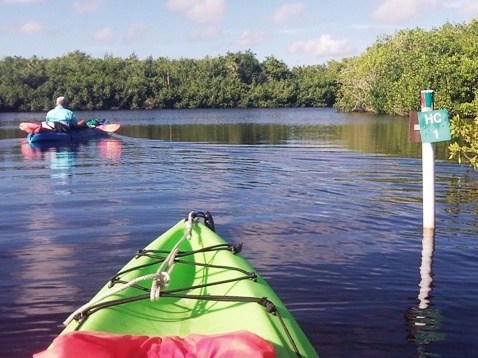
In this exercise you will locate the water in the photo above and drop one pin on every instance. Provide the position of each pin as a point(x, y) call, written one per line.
point(328, 206)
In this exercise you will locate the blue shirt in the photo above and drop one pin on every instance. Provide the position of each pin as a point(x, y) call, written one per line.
point(61, 114)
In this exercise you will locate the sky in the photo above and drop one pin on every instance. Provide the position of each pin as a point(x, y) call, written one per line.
point(297, 32)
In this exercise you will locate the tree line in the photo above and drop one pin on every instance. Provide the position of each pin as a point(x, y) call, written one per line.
point(385, 79)
point(234, 80)
point(388, 77)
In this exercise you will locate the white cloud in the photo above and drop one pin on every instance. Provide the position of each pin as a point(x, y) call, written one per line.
point(27, 28)
point(81, 7)
point(287, 11)
point(200, 11)
point(207, 33)
point(134, 32)
point(104, 35)
point(324, 46)
point(250, 37)
point(399, 11)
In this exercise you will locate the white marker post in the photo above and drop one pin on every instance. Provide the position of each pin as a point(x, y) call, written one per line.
point(428, 174)
point(428, 171)
point(434, 127)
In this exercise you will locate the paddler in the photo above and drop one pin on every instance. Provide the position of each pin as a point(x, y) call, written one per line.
point(62, 116)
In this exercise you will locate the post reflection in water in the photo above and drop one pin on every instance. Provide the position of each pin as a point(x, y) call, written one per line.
point(424, 321)
point(426, 270)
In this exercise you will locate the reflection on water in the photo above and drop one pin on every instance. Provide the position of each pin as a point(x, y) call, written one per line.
point(44, 274)
point(324, 126)
point(426, 270)
point(62, 158)
point(109, 148)
point(424, 321)
point(328, 207)
point(61, 162)
point(382, 136)
point(42, 292)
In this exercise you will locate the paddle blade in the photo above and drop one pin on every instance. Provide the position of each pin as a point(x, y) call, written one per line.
point(110, 128)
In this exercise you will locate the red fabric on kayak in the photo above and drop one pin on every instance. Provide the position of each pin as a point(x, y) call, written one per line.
point(110, 128)
point(31, 128)
point(107, 345)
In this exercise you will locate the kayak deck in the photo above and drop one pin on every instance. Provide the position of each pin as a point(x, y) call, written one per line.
point(201, 285)
point(76, 135)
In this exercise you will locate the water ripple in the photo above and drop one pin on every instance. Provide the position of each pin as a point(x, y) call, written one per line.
point(336, 232)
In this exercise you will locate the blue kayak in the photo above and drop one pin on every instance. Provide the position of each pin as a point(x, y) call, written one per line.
point(36, 133)
point(76, 135)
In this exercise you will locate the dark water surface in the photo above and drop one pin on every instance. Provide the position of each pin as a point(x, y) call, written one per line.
point(328, 206)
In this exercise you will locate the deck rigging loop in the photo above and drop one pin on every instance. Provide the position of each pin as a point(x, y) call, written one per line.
point(162, 276)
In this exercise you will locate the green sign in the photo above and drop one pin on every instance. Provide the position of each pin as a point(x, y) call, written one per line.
point(434, 126)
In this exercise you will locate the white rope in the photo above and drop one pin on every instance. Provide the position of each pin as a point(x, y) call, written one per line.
point(163, 274)
point(161, 278)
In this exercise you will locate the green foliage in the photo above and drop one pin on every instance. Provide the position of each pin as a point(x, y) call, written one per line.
point(316, 85)
point(388, 77)
point(274, 70)
point(231, 81)
point(465, 144)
